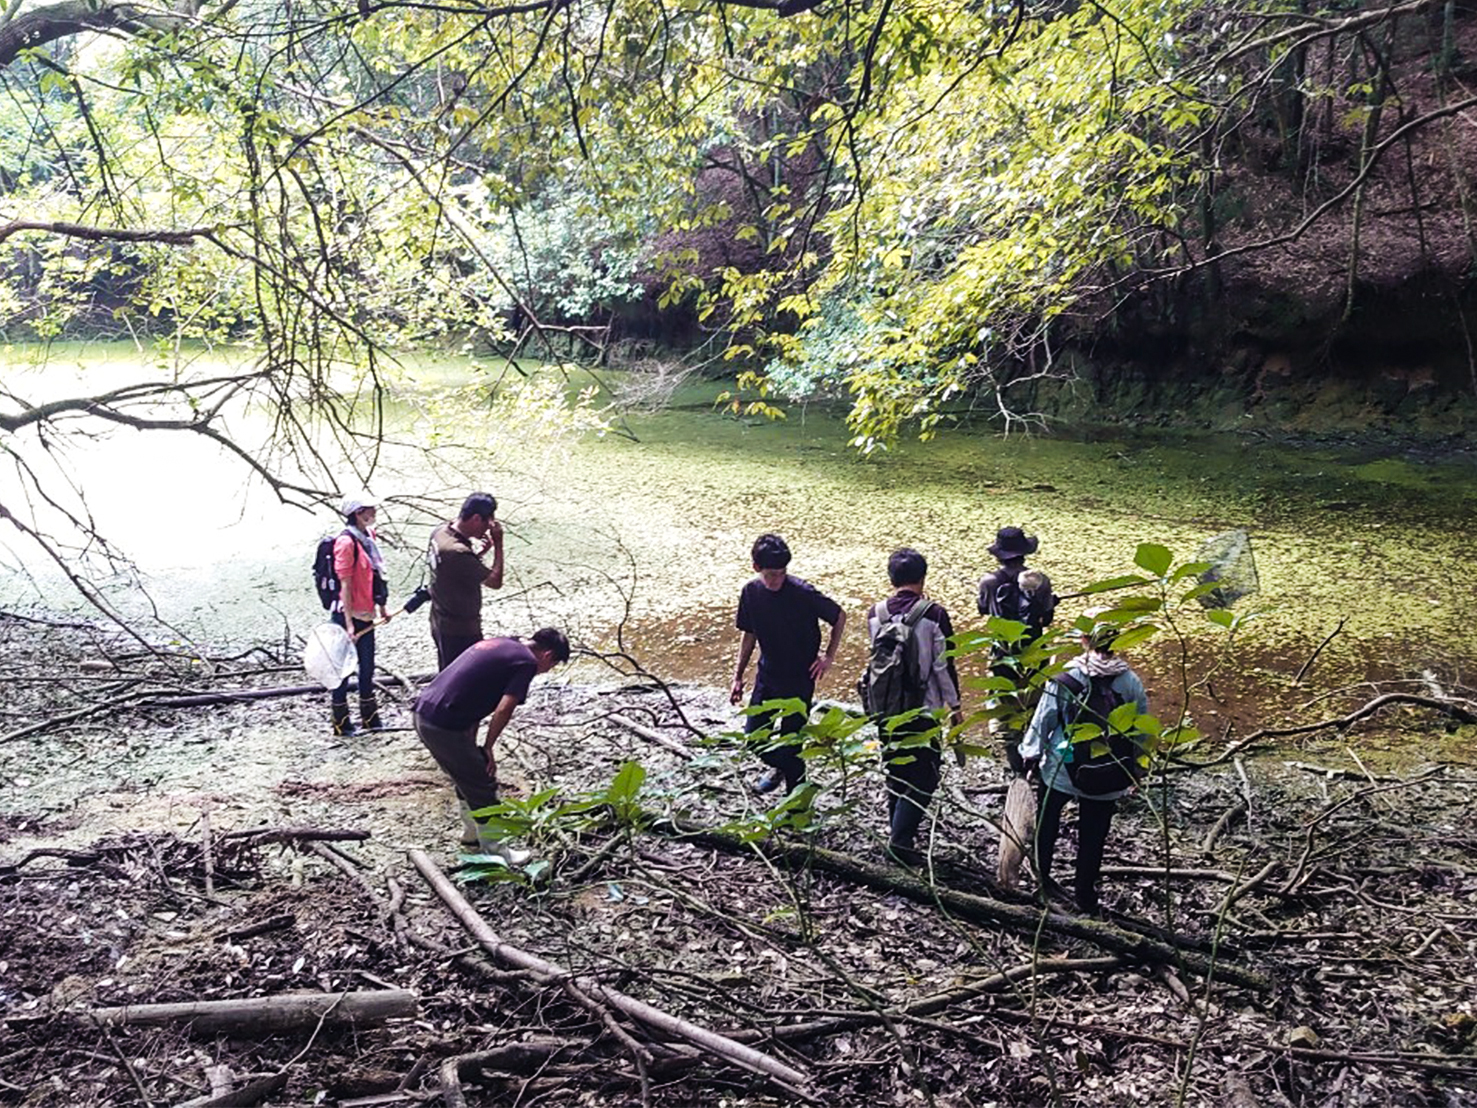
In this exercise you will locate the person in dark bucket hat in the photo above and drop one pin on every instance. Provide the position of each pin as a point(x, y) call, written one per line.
point(1014, 592)
point(1012, 543)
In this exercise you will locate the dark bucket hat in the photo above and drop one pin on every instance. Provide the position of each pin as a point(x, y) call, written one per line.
point(1012, 542)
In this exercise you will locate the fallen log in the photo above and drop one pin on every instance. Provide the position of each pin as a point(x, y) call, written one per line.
point(653, 1018)
point(201, 700)
point(1025, 920)
point(270, 1013)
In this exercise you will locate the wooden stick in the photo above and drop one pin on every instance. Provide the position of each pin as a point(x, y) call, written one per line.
point(206, 853)
point(261, 927)
point(200, 700)
point(516, 1057)
point(938, 1002)
point(1313, 657)
point(1227, 818)
point(252, 1093)
point(260, 836)
point(652, 736)
point(1160, 871)
point(271, 1013)
point(653, 1018)
point(1463, 711)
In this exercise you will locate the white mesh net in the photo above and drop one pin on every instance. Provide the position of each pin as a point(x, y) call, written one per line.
point(1232, 569)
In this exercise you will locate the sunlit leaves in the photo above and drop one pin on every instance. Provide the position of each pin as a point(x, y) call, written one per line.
point(1154, 558)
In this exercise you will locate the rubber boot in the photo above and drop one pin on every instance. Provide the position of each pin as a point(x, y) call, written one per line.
point(342, 724)
point(907, 817)
point(369, 713)
point(494, 845)
point(469, 825)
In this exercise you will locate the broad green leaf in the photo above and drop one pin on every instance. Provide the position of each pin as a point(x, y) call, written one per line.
point(627, 783)
point(1135, 635)
point(1154, 558)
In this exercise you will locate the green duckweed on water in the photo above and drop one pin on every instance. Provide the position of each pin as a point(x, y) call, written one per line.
point(654, 534)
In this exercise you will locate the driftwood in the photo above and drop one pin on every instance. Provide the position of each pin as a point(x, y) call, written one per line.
point(1017, 830)
point(201, 700)
point(264, 1014)
point(1019, 918)
point(653, 1018)
point(1463, 711)
point(652, 736)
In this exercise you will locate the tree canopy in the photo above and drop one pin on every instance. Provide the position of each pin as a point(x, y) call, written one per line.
point(901, 200)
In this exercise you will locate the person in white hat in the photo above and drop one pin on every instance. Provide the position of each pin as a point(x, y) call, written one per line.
point(360, 569)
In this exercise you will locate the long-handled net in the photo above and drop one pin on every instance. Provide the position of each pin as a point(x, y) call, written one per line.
point(1232, 569)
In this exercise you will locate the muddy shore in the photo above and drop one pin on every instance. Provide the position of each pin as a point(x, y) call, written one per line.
point(1364, 919)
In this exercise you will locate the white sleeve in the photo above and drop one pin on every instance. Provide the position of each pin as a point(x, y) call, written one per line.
point(947, 692)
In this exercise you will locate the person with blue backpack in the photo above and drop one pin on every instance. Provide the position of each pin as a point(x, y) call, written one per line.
point(1013, 592)
point(909, 670)
point(1082, 747)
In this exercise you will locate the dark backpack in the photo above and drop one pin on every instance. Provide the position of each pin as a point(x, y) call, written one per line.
point(325, 580)
point(892, 682)
point(1009, 601)
point(1114, 767)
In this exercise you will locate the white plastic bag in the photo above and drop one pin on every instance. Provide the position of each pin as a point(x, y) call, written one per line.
point(329, 655)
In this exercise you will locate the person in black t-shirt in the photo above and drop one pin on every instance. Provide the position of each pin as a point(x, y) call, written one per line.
point(488, 681)
point(782, 615)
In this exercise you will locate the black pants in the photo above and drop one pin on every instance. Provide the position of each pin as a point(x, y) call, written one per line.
point(784, 757)
point(459, 756)
point(913, 774)
point(364, 647)
point(1094, 818)
point(449, 646)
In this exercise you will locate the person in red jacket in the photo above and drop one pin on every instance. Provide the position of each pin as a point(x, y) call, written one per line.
point(359, 567)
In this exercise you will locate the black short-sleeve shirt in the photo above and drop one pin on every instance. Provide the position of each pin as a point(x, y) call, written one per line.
point(785, 621)
point(466, 692)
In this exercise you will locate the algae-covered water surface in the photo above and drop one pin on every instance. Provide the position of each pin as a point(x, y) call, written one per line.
point(650, 536)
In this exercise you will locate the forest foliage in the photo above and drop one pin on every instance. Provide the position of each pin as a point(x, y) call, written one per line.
point(909, 202)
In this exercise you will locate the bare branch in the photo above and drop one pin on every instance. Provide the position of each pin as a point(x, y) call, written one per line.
point(108, 234)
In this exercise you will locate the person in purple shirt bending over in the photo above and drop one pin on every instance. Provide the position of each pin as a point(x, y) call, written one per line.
point(487, 681)
point(782, 615)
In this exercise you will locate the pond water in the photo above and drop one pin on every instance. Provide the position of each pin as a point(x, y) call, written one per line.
point(651, 537)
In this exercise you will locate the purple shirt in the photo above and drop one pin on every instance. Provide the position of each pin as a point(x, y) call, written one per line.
point(465, 692)
point(785, 623)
